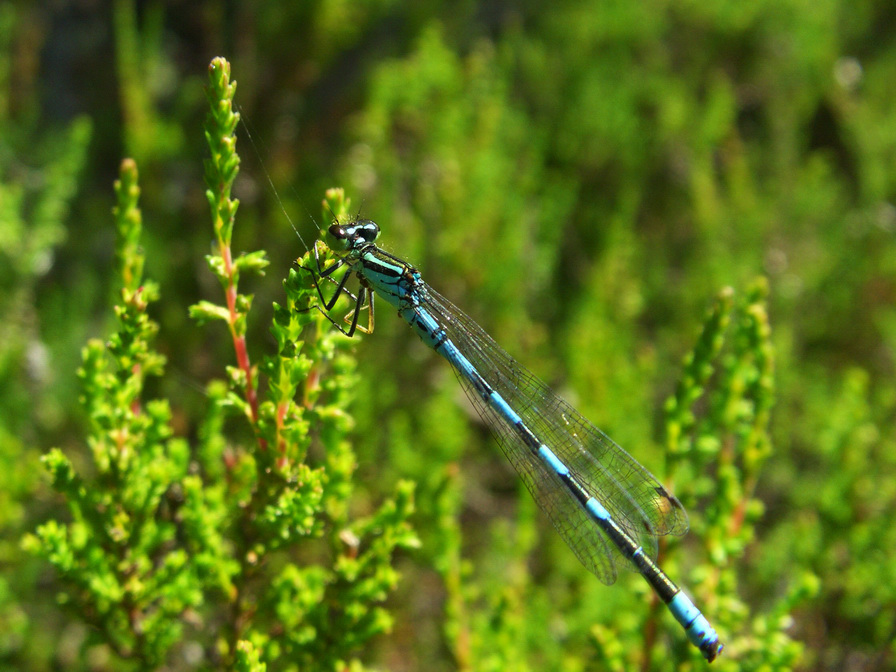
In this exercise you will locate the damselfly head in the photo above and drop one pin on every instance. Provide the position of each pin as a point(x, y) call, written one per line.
point(346, 237)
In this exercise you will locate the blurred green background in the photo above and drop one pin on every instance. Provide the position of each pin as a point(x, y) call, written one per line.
point(582, 178)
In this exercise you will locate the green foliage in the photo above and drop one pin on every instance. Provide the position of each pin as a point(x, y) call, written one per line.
point(581, 179)
point(162, 536)
point(140, 61)
point(39, 174)
point(127, 578)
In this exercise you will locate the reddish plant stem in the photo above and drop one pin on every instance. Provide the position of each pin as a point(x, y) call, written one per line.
point(282, 409)
point(239, 341)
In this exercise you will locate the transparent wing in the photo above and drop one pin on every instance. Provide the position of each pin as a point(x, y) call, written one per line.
point(631, 494)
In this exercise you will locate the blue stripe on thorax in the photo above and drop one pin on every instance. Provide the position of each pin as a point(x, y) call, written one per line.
point(391, 280)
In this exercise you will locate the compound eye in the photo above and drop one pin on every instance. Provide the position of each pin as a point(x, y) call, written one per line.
point(368, 230)
point(338, 239)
